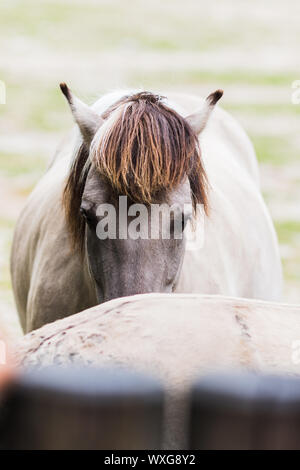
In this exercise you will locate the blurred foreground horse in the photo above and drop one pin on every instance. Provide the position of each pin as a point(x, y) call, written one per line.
point(145, 147)
point(176, 338)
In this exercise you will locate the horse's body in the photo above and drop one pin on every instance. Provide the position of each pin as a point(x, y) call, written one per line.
point(194, 335)
point(240, 253)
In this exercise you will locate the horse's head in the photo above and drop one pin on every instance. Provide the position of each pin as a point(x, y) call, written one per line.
point(133, 185)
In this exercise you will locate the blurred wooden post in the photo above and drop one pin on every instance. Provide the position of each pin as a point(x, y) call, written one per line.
point(245, 411)
point(86, 408)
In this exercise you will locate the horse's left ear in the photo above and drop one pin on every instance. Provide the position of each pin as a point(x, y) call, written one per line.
point(86, 118)
point(199, 119)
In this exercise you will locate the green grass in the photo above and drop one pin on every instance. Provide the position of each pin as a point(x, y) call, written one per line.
point(6, 223)
point(291, 269)
point(6, 228)
point(47, 112)
point(200, 76)
point(289, 236)
point(274, 150)
point(12, 165)
point(264, 109)
point(32, 106)
point(112, 25)
point(288, 231)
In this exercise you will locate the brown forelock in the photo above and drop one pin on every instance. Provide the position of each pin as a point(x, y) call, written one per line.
point(148, 150)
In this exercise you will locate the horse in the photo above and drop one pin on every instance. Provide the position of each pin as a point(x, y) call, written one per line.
point(153, 150)
point(177, 338)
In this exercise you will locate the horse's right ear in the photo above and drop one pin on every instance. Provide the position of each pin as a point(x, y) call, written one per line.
point(86, 118)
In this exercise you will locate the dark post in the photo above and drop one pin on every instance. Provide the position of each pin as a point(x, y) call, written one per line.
point(86, 408)
point(245, 411)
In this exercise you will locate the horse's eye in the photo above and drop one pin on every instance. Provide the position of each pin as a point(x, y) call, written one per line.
point(88, 215)
point(83, 212)
point(177, 224)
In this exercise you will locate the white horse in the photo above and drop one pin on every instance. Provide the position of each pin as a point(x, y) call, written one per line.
point(239, 255)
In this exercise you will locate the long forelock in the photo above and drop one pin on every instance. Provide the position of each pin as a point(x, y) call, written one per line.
point(143, 149)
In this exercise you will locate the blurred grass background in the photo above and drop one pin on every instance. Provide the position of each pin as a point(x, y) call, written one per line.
point(249, 49)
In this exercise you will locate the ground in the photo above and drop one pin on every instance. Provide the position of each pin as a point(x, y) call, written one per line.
point(248, 49)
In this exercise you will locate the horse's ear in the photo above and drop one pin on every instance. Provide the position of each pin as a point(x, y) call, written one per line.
point(86, 118)
point(199, 119)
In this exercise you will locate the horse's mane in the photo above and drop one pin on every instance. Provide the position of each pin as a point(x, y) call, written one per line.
point(143, 149)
